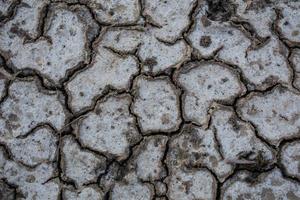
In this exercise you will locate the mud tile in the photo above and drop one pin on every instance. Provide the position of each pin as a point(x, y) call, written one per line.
point(38, 147)
point(268, 65)
point(156, 104)
point(262, 67)
point(238, 142)
point(109, 70)
point(191, 184)
point(197, 148)
point(147, 158)
point(123, 40)
point(157, 56)
point(275, 113)
point(65, 48)
point(288, 24)
point(290, 158)
point(171, 17)
point(110, 128)
point(91, 193)
point(132, 189)
point(32, 183)
point(269, 185)
point(79, 165)
point(232, 39)
point(260, 14)
point(114, 12)
point(204, 83)
point(29, 105)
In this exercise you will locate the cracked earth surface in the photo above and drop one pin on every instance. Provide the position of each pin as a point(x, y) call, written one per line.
point(150, 99)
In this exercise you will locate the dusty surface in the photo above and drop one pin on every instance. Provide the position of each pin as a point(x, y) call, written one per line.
point(149, 99)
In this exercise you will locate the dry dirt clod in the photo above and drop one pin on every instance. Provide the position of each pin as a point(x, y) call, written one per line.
point(80, 165)
point(171, 17)
point(31, 182)
point(191, 184)
point(204, 83)
point(63, 46)
point(110, 128)
point(149, 99)
point(275, 113)
point(108, 70)
point(268, 185)
point(262, 66)
point(132, 188)
point(27, 105)
point(156, 104)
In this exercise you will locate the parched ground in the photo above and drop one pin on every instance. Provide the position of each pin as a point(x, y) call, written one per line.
point(150, 99)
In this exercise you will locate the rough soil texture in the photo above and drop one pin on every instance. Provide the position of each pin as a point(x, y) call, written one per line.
point(149, 99)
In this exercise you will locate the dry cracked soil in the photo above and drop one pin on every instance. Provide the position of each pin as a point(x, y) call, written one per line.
point(150, 99)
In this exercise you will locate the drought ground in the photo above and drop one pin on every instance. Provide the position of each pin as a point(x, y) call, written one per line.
point(150, 99)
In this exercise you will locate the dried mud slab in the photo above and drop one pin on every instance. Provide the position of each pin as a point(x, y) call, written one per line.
point(131, 188)
point(275, 113)
point(191, 184)
point(268, 185)
point(38, 147)
point(227, 143)
point(156, 104)
point(204, 83)
point(262, 67)
point(268, 65)
point(91, 193)
point(290, 158)
point(64, 47)
point(170, 18)
point(24, 25)
point(237, 140)
point(259, 14)
point(288, 24)
point(108, 70)
point(155, 55)
point(205, 36)
point(115, 12)
point(79, 165)
point(147, 158)
point(123, 40)
point(197, 147)
point(28, 105)
point(32, 183)
point(110, 128)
